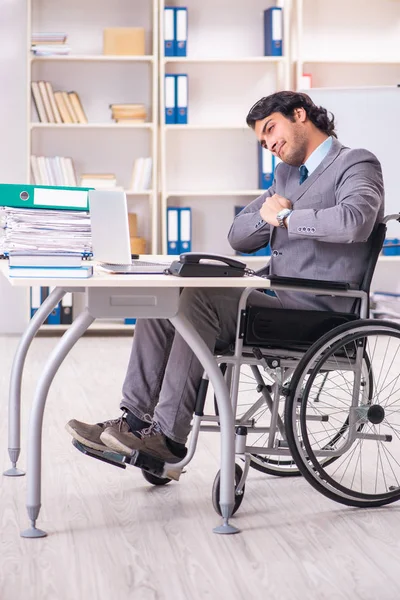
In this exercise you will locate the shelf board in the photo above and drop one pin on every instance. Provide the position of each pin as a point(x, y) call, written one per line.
point(224, 59)
point(91, 126)
point(350, 61)
point(236, 192)
point(92, 58)
point(205, 126)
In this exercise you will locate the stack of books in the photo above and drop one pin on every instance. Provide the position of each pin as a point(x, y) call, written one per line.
point(141, 174)
point(53, 170)
point(47, 44)
point(99, 181)
point(57, 107)
point(128, 113)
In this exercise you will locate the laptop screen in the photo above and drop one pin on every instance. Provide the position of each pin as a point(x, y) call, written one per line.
point(110, 227)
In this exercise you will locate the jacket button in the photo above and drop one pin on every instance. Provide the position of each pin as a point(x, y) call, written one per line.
point(275, 253)
point(299, 229)
point(312, 229)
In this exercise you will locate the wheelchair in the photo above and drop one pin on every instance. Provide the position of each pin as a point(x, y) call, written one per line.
point(314, 393)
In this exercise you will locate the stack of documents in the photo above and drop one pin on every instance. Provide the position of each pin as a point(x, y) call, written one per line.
point(41, 231)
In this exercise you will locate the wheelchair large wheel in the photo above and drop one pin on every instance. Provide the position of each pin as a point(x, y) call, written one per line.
point(362, 466)
point(252, 406)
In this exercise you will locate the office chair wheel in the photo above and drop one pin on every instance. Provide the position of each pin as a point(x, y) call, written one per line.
point(153, 479)
point(362, 461)
point(216, 488)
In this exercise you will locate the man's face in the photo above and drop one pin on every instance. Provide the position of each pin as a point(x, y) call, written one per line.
point(285, 138)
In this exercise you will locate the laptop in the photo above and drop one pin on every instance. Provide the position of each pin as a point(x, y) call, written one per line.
point(110, 235)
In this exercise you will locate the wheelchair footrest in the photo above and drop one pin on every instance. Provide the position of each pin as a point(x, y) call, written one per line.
point(143, 461)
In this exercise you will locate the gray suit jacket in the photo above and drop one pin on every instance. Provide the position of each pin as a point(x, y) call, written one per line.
point(334, 212)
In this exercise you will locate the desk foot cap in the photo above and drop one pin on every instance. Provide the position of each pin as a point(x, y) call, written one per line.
point(226, 529)
point(14, 472)
point(33, 532)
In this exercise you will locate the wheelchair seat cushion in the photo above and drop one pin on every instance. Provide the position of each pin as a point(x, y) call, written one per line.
point(289, 328)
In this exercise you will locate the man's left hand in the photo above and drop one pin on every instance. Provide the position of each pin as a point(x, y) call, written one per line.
point(272, 206)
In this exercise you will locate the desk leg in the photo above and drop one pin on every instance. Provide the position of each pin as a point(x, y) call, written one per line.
point(227, 424)
point(14, 402)
point(70, 337)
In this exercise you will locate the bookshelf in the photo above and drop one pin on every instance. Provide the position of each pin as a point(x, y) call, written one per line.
point(101, 145)
point(211, 163)
point(361, 49)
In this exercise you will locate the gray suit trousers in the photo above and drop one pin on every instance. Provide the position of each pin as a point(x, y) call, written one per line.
point(163, 374)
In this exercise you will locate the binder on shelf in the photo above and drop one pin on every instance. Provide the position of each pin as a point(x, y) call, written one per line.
point(273, 31)
point(266, 251)
point(35, 298)
point(181, 30)
point(181, 99)
point(185, 229)
point(265, 168)
point(169, 31)
point(39, 196)
point(173, 242)
point(66, 309)
point(129, 321)
point(54, 316)
point(170, 102)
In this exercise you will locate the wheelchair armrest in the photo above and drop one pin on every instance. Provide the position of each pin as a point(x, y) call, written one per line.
point(309, 283)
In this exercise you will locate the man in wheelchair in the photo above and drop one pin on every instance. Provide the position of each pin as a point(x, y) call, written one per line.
point(318, 216)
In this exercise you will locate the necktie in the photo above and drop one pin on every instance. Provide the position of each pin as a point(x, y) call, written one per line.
point(303, 174)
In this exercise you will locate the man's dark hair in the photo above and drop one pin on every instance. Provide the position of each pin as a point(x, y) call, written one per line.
point(286, 103)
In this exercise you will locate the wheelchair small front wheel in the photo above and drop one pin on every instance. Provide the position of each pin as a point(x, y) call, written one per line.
point(216, 489)
point(154, 480)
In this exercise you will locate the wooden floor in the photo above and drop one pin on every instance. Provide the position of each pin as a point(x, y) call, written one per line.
point(113, 536)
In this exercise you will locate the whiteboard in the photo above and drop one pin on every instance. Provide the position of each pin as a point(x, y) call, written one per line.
point(369, 118)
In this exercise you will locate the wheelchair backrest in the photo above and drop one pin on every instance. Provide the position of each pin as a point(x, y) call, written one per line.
point(377, 238)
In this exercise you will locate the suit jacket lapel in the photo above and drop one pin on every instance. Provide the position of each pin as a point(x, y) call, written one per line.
point(294, 191)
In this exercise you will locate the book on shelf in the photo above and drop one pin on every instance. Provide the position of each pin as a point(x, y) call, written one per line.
point(53, 170)
point(38, 102)
point(99, 181)
point(52, 272)
point(70, 108)
point(128, 113)
point(46, 102)
point(47, 44)
point(141, 174)
point(77, 107)
point(53, 103)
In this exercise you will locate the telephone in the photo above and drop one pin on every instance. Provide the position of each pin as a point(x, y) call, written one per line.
point(193, 264)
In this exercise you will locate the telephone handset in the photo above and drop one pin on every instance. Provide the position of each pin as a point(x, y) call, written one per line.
point(194, 264)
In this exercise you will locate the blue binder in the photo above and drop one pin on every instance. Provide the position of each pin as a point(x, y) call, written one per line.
point(265, 168)
point(181, 29)
point(266, 251)
point(170, 100)
point(181, 99)
point(169, 31)
point(54, 317)
point(129, 321)
point(273, 31)
point(391, 247)
point(185, 229)
point(173, 239)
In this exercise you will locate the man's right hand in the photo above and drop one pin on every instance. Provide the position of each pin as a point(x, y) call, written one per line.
point(271, 207)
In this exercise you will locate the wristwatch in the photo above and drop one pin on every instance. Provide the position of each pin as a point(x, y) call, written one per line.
point(282, 215)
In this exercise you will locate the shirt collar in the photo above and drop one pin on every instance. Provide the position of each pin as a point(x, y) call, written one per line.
point(318, 155)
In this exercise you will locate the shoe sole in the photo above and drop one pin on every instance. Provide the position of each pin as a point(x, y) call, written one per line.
point(84, 441)
point(111, 443)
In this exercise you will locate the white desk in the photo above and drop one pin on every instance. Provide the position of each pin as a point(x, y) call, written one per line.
point(141, 296)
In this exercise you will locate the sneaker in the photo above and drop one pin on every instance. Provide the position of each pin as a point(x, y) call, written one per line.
point(150, 440)
point(89, 435)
